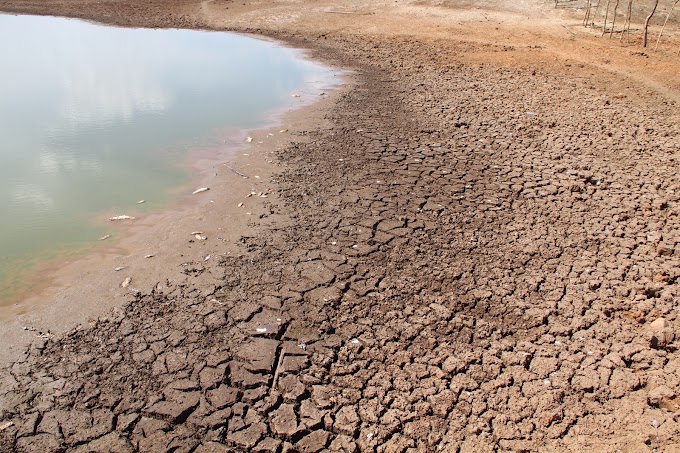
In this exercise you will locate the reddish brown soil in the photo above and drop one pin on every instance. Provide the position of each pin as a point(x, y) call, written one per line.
point(478, 253)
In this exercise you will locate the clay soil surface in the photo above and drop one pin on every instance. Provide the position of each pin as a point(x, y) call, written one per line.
point(475, 251)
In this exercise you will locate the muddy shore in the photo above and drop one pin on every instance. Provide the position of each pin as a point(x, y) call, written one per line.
point(477, 250)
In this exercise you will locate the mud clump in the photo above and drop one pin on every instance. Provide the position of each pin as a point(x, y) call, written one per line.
point(471, 266)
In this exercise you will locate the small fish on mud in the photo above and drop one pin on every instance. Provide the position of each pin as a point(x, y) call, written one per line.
point(240, 205)
point(200, 237)
point(141, 201)
point(295, 95)
point(149, 256)
point(103, 238)
point(249, 139)
point(119, 268)
point(283, 130)
point(202, 189)
point(126, 282)
point(121, 217)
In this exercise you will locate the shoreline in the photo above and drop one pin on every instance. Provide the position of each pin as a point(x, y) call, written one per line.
point(60, 305)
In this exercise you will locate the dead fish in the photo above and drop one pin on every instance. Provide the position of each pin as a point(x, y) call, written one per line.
point(283, 130)
point(249, 139)
point(103, 238)
point(149, 256)
point(126, 282)
point(141, 201)
point(196, 232)
point(240, 205)
point(202, 189)
point(119, 268)
point(121, 217)
point(295, 95)
point(200, 238)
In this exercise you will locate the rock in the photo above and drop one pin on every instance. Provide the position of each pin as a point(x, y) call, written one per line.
point(660, 334)
point(658, 324)
point(659, 395)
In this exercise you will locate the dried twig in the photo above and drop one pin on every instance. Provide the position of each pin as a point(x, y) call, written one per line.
point(349, 12)
point(236, 171)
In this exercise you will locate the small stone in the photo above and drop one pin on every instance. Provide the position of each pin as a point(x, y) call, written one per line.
point(659, 395)
point(660, 334)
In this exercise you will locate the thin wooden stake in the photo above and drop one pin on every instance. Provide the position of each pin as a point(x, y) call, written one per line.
point(644, 38)
point(616, 7)
point(664, 24)
point(606, 16)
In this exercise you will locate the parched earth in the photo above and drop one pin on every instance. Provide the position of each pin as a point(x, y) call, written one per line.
point(478, 257)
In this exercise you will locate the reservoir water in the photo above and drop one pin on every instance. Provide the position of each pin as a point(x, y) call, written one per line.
point(94, 119)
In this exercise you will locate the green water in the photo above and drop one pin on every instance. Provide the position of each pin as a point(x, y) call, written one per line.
point(93, 119)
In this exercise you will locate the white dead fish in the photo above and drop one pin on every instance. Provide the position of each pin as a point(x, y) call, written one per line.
point(149, 256)
point(141, 201)
point(249, 139)
point(103, 238)
point(283, 130)
point(196, 232)
point(202, 189)
point(240, 205)
point(119, 268)
point(207, 257)
point(126, 282)
point(121, 217)
point(295, 95)
point(200, 238)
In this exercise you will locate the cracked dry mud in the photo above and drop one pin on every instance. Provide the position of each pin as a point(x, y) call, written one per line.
point(479, 257)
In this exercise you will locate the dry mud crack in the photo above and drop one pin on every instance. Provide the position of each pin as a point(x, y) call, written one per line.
point(479, 258)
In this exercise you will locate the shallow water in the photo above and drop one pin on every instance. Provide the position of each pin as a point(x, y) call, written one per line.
point(94, 119)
